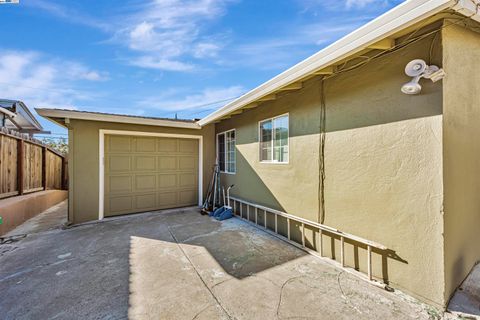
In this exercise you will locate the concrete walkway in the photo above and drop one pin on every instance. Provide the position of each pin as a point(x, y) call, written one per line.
point(52, 218)
point(466, 300)
point(181, 265)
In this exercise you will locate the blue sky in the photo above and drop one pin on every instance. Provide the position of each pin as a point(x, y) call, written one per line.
point(161, 57)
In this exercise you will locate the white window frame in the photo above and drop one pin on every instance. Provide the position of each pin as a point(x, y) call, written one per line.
point(273, 140)
point(218, 151)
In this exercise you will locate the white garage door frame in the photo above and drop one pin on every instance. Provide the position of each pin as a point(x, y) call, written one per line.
point(101, 165)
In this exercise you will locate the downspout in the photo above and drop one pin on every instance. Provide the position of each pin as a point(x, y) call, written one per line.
point(321, 153)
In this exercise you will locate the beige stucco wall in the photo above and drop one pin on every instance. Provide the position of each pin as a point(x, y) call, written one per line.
point(84, 169)
point(461, 138)
point(383, 166)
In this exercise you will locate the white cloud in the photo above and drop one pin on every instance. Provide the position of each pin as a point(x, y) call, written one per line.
point(206, 50)
point(77, 71)
point(361, 3)
point(38, 79)
point(338, 5)
point(160, 64)
point(298, 43)
point(194, 104)
point(67, 13)
point(169, 31)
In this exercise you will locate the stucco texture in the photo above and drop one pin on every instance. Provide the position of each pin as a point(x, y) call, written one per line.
point(84, 161)
point(383, 167)
point(461, 134)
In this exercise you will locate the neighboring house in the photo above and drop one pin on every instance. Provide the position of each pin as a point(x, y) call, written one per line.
point(14, 115)
point(331, 140)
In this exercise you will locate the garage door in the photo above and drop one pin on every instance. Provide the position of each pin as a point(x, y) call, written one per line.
point(149, 173)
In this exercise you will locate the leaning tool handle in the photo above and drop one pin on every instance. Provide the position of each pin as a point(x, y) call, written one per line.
point(224, 200)
point(228, 194)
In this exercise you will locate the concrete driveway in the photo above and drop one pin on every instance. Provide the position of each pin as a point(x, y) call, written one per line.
point(180, 265)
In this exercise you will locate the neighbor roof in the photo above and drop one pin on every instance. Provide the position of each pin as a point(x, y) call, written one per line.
point(372, 35)
point(56, 114)
point(19, 117)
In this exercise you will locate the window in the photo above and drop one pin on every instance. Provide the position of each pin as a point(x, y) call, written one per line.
point(226, 151)
point(274, 140)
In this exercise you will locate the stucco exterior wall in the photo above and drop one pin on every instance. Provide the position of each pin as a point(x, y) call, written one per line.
point(383, 167)
point(84, 174)
point(461, 138)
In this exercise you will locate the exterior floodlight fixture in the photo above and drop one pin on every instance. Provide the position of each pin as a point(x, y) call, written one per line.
point(418, 69)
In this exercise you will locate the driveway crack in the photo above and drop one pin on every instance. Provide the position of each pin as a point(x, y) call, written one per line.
point(281, 293)
point(344, 296)
point(198, 274)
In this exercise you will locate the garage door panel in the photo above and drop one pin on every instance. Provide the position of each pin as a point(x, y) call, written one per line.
point(146, 201)
point(149, 173)
point(167, 199)
point(121, 204)
point(187, 146)
point(119, 144)
point(167, 163)
point(187, 196)
point(187, 163)
point(167, 144)
point(119, 163)
point(120, 184)
point(145, 163)
point(145, 144)
point(167, 180)
point(187, 180)
point(145, 182)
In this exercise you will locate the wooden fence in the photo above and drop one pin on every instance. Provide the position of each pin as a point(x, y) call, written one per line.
point(26, 166)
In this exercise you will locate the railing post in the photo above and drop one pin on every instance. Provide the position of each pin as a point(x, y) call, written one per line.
point(20, 166)
point(265, 219)
point(369, 262)
point(44, 168)
point(256, 215)
point(320, 238)
point(288, 228)
point(276, 223)
point(241, 213)
point(342, 253)
point(303, 234)
point(248, 212)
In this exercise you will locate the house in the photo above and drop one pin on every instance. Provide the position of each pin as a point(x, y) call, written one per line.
point(332, 140)
point(15, 115)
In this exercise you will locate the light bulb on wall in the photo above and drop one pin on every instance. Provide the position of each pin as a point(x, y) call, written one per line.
point(412, 87)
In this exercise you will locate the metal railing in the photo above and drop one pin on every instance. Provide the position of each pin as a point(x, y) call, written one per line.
point(304, 222)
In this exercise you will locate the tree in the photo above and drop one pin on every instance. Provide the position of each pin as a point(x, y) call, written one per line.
point(60, 145)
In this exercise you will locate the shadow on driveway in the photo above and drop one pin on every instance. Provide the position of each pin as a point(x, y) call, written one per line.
point(177, 264)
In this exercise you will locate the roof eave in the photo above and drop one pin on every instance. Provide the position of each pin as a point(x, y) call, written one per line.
point(400, 17)
point(52, 114)
point(28, 115)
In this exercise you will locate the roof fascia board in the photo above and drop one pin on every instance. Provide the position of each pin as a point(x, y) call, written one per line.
point(400, 17)
point(28, 115)
point(53, 113)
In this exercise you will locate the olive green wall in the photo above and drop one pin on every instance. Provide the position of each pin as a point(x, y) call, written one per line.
point(383, 167)
point(84, 146)
point(461, 138)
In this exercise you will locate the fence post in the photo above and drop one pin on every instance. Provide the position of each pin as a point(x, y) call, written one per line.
point(63, 184)
point(44, 168)
point(20, 166)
